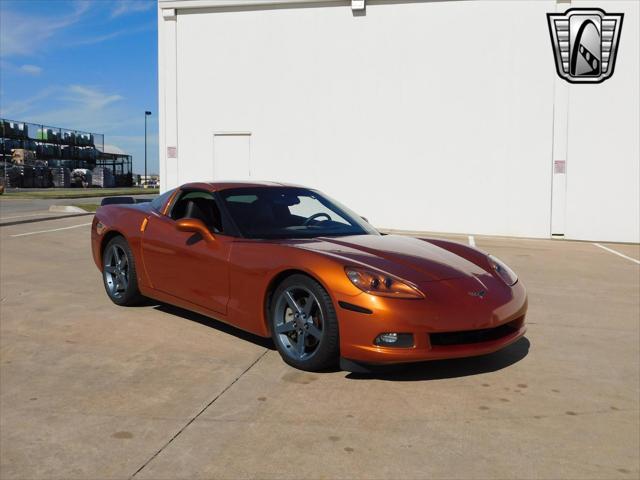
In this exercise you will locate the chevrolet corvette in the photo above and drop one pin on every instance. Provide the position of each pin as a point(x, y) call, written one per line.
point(290, 263)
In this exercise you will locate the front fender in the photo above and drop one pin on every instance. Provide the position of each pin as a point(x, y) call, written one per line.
point(256, 270)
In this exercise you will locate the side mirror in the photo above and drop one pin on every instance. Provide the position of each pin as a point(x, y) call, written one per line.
point(196, 226)
point(365, 219)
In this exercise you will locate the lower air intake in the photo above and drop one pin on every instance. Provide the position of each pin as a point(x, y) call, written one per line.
point(472, 336)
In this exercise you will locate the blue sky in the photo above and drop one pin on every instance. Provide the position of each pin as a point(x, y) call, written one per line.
point(83, 64)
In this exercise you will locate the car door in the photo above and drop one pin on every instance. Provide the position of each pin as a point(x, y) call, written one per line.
point(184, 264)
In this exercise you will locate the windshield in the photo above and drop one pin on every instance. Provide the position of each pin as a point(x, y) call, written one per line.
point(287, 212)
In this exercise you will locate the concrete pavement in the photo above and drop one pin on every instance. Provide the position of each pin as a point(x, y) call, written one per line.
point(92, 390)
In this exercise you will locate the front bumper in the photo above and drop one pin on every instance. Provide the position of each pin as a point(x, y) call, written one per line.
point(447, 324)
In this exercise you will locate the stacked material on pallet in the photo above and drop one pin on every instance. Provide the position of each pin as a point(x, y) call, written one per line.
point(86, 153)
point(61, 177)
point(20, 176)
point(48, 135)
point(81, 177)
point(123, 180)
point(21, 156)
point(14, 130)
point(42, 176)
point(27, 175)
point(102, 177)
point(84, 139)
point(11, 177)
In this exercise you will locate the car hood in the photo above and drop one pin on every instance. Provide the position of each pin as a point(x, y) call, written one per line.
point(408, 258)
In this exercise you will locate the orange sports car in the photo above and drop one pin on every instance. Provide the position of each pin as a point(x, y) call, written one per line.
point(288, 262)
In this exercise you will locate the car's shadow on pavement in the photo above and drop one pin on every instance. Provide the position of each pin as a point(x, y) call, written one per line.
point(413, 372)
point(210, 322)
point(441, 369)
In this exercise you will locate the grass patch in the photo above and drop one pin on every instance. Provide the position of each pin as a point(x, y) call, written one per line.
point(87, 207)
point(79, 193)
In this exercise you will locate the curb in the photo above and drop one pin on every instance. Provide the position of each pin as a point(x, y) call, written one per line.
point(66, 209)
point(44, 219)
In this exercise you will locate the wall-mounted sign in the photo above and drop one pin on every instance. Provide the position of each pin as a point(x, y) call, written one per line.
point(172, 152)
point(559, 166)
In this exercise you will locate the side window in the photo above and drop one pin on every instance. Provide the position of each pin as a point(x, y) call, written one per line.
point(201, 205)
point(160, 201)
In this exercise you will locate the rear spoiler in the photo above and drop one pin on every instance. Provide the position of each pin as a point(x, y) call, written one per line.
point(122, 201)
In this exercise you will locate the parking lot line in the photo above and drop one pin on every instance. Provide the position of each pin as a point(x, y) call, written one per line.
point(472, 241)
point(52, 230)
point(617, 253)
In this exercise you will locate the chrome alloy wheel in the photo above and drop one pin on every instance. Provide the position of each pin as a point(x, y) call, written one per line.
point(116, 271)
point(298, 322)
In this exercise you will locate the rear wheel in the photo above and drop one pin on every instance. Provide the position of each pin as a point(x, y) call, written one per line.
point(119, 273)
point(304, 324)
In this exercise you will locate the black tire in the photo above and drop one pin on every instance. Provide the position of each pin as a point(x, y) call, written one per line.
point(317, 353)
point(113, 274)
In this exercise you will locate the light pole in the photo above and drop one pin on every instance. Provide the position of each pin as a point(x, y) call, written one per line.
point(146, 114)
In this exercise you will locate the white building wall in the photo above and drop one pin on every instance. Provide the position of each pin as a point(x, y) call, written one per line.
point(433, 116)
point(603, 161)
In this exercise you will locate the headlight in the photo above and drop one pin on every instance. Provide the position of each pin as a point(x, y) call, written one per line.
point(381, 284)
point(507, 275)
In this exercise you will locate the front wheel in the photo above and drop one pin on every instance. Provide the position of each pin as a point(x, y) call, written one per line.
point(304, 325)
point(119, 273)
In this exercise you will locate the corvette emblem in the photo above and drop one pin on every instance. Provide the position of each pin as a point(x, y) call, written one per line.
point(478, 293)
point(585, 43)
